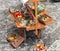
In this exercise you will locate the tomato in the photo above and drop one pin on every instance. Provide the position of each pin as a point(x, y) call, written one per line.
point(18, 15)
point(38, 49)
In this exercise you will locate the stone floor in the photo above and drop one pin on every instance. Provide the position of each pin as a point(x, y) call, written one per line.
point(50, 36)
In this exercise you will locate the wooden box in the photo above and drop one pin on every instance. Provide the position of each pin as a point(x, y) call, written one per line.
point(49, 20)
point(17, 41)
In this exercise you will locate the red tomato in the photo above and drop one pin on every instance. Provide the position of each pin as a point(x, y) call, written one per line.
point(18, 14)
point(38, 49)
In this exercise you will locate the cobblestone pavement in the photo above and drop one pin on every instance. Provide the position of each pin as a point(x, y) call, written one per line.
point(55, 46)
point(49, 35)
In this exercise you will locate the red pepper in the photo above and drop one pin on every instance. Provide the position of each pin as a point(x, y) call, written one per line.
point(18, 15)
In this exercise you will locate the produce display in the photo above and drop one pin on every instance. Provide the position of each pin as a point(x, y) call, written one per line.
point(31, 16)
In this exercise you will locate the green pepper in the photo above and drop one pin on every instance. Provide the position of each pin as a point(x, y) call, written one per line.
point(16, 35)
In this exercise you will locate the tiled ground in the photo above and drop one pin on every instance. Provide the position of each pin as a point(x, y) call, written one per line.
point(49, 35)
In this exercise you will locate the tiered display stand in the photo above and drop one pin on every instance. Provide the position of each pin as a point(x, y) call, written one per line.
point(38, 21)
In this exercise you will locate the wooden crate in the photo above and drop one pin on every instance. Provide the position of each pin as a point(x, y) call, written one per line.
point(49, 20)
point(16, 42)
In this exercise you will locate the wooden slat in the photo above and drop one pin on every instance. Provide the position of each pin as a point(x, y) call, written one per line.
point(40, 26)
point(30, 11)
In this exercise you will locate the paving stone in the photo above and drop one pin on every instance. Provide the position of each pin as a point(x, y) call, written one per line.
point(55, 46)
point(6, 4)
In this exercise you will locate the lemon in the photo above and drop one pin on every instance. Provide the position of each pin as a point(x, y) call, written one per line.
point(11, 38)
point(19, 16)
